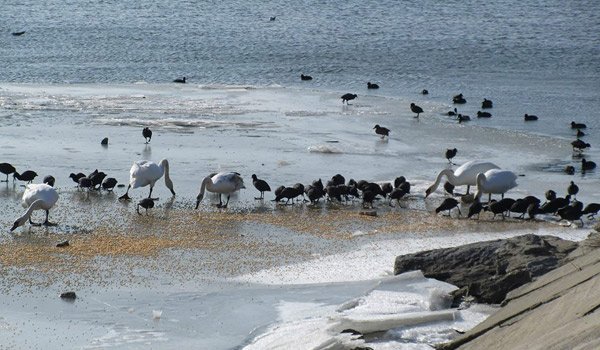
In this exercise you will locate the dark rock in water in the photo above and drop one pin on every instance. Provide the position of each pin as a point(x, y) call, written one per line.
point(489, 270)
point(63, 244)
point(353, 332)
point(68, 295)
point(104, 141)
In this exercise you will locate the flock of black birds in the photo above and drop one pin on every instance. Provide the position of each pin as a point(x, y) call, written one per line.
point(565, 208)
point(337, 190)
point(578, 147)
point(95, 181)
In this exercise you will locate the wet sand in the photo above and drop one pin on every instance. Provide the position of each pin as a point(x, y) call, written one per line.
point(215, 277)
point(184, 244)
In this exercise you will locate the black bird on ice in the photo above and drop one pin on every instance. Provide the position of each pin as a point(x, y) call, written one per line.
point(347, 97)
point(416, 109)
point(380, 130)
point(147, 133)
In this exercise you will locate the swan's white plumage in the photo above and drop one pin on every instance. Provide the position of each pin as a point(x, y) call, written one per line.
point(145, 172)
point(36, 197)
point(495, 181)
point(221, 183)
point(465, 174)
point(35, 192)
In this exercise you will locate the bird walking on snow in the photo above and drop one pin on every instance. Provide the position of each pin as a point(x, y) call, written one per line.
point(147, 133)
point(451, 153)
point(146, 203)
point(347, 97)
point(573, 189)
point(261, 185)
point(416, 109)
point(379, 130)
point(448, 204)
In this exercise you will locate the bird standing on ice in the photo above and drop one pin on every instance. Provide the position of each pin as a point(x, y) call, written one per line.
point(27, 176)
point(495, 181)
point(147, 133)
point(144, 173)
point(221, 183)
point(448, 204)
point(7, 169)
point(347, 97)
point(37, 197)
point(261, 185)
point(380, 130)
point(465, 174)
point(416, 109)
point(146, 203)
point(451, 153)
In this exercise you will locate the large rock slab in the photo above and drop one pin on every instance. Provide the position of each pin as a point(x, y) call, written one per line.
point(489, 270)
point(560, 310)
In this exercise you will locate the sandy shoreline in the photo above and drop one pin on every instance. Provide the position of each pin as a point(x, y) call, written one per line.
point(217, 278)
point(226, 244)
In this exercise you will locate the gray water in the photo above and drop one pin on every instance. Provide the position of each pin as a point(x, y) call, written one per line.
point(530, 57)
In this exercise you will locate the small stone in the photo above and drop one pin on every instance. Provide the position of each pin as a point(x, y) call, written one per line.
point(368, 212)
point(68, 295)
point(63, 244)
point(104, 141)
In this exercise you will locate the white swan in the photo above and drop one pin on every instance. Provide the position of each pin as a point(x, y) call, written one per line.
point(465, 174)
point(495, 181)
point(37, 197)
point(144, 173)
point(221, 183)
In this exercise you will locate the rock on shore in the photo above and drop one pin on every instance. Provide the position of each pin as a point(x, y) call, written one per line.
point(559, 310)
point(487, 271)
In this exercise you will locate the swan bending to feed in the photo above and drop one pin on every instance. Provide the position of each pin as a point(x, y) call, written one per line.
point(144, 173)
point(221, 183)
point(495, 181)
point(37, 197)
point(465, 174)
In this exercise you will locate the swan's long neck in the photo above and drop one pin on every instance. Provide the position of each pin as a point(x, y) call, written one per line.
point(480, 184)
point(23, 219)
point(207, 184)
point(446, 172)
point(206, 181)
point(168, 182)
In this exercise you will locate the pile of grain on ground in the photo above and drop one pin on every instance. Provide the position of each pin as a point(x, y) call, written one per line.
point(186, 244)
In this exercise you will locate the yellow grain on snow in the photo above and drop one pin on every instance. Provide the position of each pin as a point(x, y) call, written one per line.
point(219, 240)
